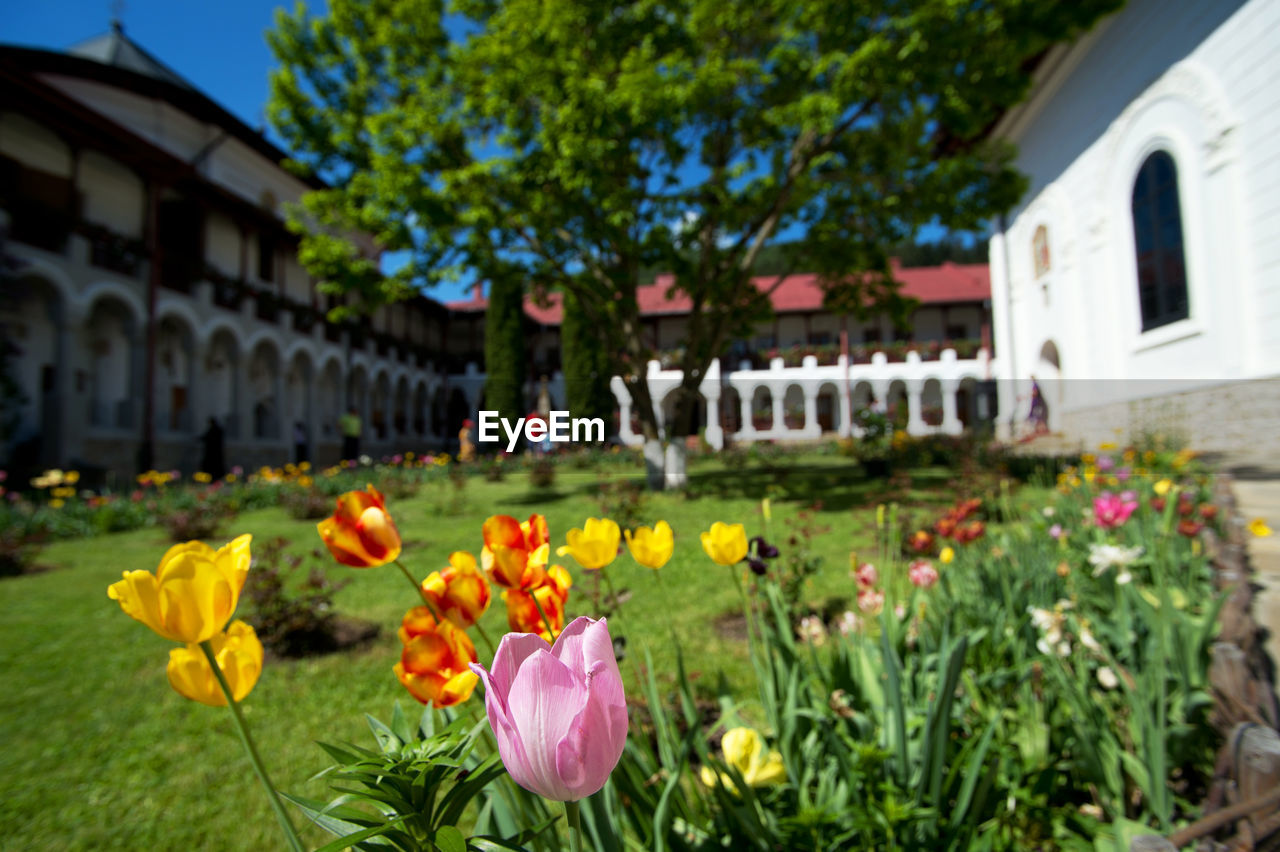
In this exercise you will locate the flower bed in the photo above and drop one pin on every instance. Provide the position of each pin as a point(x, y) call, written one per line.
point(1007, 676)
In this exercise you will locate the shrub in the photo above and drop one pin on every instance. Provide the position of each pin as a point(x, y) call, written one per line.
point(18, 551)
point(200, 520)
point(291, 622)
point(306, 504)
point(542, 474)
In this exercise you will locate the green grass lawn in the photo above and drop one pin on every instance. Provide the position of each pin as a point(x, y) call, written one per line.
point(99, 753)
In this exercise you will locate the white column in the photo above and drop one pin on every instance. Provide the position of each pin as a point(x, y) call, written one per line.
point(951, 424)
point(778, 399)
point(846, 403)
point(748, 429)
point(714, 433)
point(915, 420)
point(811, 426)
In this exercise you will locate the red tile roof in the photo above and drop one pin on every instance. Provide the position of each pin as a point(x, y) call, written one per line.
point(948, 283)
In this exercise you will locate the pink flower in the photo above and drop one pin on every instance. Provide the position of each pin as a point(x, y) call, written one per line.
point(870, 602)
point(558, 711)
point(1111, 511)
point(867, 575)
point(922, 573)
point(1055, 531)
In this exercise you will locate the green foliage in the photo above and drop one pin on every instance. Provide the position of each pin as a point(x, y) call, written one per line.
point(578, 144)
point(291, 618)
point(413, 791)
point(586, 366)
point(504, 356)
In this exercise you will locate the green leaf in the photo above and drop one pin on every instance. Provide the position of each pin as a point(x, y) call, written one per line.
point(449, 839)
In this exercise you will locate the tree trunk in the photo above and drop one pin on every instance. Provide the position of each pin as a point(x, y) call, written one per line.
point(642, 404)
point(677, 475)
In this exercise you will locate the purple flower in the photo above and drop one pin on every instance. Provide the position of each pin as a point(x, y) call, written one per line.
point(558, 711)
point(1123, 474)
point(1055, 531)
point(1105, 463)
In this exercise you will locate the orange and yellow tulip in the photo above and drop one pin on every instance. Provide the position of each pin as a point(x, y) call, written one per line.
point(361, 533)
point(193, 593)
point(459, 592)
point(595, 545)
point(516, 554)
point(239, 656)
point(435, 664)
point(522, 607)
point(652, 548)
point(726, 544)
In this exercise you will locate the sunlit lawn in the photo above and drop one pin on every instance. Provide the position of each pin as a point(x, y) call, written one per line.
point(99, 753)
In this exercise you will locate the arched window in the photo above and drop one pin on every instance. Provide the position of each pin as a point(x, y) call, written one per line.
point(1157, 237)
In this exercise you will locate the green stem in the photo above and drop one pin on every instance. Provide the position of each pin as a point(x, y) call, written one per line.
point(571, 814)
point(551, 631)
point(608, 584)
point(485, 636)
point(243, 730)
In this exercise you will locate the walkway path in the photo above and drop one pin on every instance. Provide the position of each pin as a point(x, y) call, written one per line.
point(1260, 498)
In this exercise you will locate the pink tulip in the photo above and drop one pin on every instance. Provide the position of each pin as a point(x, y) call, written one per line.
point(1110, 510)
point(922, 573)
point(867, 575)
point(558, 711)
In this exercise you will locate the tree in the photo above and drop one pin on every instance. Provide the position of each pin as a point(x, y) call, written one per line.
point(585, 141)
point(586, 366)
point(504, 348)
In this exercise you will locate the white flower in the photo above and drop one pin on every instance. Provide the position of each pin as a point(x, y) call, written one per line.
point(1108, 678)
point(1104, 556)
point(1087, 640)
point(812, 630)
point(1051, 622)
point(1048, 511)
point(847, 623)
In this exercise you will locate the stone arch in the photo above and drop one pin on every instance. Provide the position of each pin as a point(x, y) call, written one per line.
point(94, 293)
point(439, 410)
point(1048, 375)
point(730, 410)
point(299, 393)
point(793, 413)
point(668, 407)
point(400, 409)
point(113, 338)
point(264, 389)
point(328, 397)
point(762, 408)
point(421, 409)
point(175, 373)
point(380, 406)
point(222, 379)
point(458, 410)
point(33, 322)
point(828, 407)
point(931, 402)
point(895, 403)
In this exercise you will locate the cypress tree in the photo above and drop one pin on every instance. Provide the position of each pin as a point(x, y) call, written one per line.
point(504, 355)
point(586, 366)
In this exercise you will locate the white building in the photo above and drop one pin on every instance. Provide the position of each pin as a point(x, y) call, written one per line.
point(1139, 279)
point(154, 284)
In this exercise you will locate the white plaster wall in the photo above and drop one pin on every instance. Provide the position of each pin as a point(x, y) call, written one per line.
point(113, 194)
point(1196, 80)
point(34, 145)
point(222, 244)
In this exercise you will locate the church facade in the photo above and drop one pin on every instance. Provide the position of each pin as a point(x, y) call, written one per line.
point(1138, 281)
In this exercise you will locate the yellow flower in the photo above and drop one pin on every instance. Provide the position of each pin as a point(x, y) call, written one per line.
point(1162, 487)
point(201, 476)
point(1088, 459)
point(946, 556)
point(1107, 446)
point(193, 593)
point(239, 655)
point(63, 491)
point(231, 477)
point(56, 503)
point(595, 546)
point(726, 544)
point(744, 751)
point(71, 477)
point(1259, 528)
point(652, 547)
point(304, 466)
point(766, 510)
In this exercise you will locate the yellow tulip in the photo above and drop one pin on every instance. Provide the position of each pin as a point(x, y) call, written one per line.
point(744, 751)
point(946, 555)
point(1259, 528)
point(726, 544)
point(594, 546)
point(652, 547)
point(239, 655)
point(1162, 487)
point(193, 593)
